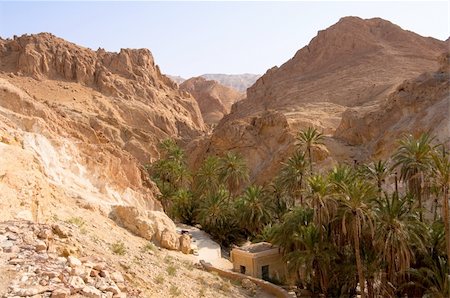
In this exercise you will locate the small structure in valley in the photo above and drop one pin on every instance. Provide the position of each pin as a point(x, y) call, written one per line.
point(262, 260)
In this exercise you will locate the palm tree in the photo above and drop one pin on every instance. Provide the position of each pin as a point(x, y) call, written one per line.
point(207, 177)
point(398, 233)
point(441, 173)
point(253, 209)
point(217, 217)
point(233, 171)
point(292, 174)
point(433, 278)
point(355, 214)
point(414, 158)
point(184, 206)
point(313, 256)
point(321, 200)
point(377, 171)
point(309, 138)
point(278, 199)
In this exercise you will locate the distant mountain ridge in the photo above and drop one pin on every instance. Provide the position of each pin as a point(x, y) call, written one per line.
point(239, 82)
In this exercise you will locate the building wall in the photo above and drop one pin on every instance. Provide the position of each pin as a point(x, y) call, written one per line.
point(253, 263)
point(240, 258)
point(277, 267)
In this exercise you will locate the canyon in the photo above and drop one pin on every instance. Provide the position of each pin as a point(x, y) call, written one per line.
point(336, 84)
point(78, 129)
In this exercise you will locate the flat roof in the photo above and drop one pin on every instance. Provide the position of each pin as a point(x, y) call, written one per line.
point(257, 247)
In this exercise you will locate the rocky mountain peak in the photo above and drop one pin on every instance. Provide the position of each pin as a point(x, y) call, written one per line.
point(131, 72)
point(214, 99)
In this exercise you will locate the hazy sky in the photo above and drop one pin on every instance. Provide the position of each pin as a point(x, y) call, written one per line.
point(192, 38)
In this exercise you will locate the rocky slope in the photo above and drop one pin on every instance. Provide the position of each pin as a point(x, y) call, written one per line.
point(353, 64)
point(239, 82)
point(76, 127)
point(214, 99)
point(90, 118)
point(418, 105)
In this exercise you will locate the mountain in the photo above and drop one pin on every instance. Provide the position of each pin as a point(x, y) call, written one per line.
point(239, 82)
point(354, 64)
point(214, 99)
point(176, 79)
point(418, 105)
point(79, 125)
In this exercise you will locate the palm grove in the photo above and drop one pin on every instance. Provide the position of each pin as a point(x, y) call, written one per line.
point(379, 229)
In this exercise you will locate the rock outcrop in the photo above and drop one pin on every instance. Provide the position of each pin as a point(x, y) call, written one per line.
point(214, 99)
point(154, 226)
point(85, 122)
point(355, 64)
point(418, 105)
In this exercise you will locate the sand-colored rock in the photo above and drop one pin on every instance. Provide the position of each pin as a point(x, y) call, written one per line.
point(239, 82)
point(214, 99)
point(355, 63)
point(418, 105)
point(80, 124)
point(146, 224)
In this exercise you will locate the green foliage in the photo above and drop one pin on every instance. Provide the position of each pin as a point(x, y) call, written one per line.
point(338, 229)
point(119, 248)
point(253, 209)
point(233, 171)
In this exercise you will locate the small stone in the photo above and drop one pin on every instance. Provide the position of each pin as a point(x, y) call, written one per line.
point(12, 229)
point(113, 289)
point(45, 234)
point(90, 291)
point(43, 282)
point(60, 293)
point(40, 245)
point(117, 277)
point(76, 282)
point(16, 261)
point(73, 262)
point(120, 295)
point(99, 266)
point(248, 284)
point(94, 273)
point(101, 284)
point(78, 270)
point(104, 273)
point(60, 231)
point(50, 274)
point(12, 249)
point(61, 260)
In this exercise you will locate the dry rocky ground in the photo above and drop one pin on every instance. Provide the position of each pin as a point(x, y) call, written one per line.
point(74, 257)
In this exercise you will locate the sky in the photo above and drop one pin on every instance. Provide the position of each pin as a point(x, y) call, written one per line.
point(193, 38)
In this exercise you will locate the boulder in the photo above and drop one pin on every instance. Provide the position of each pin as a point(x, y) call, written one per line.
point(146, 224)
point(185, 244)
point(170, 240)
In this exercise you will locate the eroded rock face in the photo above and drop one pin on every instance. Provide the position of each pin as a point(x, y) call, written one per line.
point(355, 64)
point(86, 120)
point(214, 99)
point(418, 105)
point(152, 225)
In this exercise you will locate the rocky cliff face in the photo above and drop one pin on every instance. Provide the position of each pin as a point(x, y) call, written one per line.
point(214, 99)
point(418, 105)
point(80, 124)
point(355, 63)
